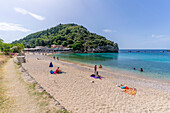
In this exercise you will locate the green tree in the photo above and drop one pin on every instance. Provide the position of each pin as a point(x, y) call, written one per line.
point(64, 43)
point(1, 43)
point(77, 46)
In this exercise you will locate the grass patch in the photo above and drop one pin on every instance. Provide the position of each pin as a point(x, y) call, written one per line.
point(36, 93)
point(33, 86)
point(4, 101)
point(1, 53)
point(3, 60)
point(43, 103)
point(60, 111)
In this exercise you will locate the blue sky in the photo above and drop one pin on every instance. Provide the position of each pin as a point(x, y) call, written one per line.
point(130, 23)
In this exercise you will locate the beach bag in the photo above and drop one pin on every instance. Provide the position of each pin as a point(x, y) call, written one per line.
point(52, 72)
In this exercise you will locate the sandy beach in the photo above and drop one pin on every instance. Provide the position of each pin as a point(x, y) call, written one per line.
point(76, 92)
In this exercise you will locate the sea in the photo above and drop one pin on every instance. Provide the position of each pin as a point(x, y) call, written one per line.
point(155, 63)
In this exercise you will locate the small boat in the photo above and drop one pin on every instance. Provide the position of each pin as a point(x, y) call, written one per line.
point(168, 50)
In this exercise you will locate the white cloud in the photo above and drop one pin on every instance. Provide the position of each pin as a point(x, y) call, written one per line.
point(162, 37)
point(25, 12)
point(12, 27)
point(157, 36)
point(20, 10)
point(36, 16)
point(108, 30)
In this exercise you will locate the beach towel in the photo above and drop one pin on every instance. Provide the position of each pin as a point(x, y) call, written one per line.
point(131, 91)
point(93, 76)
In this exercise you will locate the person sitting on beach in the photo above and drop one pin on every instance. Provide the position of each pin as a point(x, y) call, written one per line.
point(100, 66)
point(58, 71)
point(97, 74)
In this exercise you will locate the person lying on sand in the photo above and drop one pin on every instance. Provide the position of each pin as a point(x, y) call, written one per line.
point(131, 91)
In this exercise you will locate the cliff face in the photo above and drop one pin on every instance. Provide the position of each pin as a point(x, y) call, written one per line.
point(104, 49)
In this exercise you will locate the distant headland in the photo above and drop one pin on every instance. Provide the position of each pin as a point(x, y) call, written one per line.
point(73, 36)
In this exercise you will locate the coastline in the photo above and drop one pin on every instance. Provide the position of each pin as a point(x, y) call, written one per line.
point(149, 72)
point(75, 91)
point(107, 73)
point(118, 72)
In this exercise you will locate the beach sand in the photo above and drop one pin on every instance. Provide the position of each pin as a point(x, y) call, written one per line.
point(76, 92)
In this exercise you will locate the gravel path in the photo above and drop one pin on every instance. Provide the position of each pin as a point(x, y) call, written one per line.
point(21, 101)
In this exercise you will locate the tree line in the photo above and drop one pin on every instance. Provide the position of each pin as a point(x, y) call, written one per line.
point(7, 48)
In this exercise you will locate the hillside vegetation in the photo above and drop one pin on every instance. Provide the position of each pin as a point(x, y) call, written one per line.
point(68, 35)
point(6, 48)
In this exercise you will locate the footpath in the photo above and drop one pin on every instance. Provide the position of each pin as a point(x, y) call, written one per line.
point(18, 96)
point(19, 100)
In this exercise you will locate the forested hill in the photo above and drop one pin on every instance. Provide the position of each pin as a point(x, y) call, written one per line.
point(68, 35)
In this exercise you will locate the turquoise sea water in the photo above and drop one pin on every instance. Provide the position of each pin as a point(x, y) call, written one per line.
point(155, 63)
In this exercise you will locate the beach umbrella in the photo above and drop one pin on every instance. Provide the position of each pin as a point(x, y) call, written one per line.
point(51, 64)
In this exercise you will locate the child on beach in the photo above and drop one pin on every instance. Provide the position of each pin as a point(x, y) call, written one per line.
point(100, 66)
point(58, 71)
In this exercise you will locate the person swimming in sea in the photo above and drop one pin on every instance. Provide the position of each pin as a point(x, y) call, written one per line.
point(54, 57)
point(141, 69)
